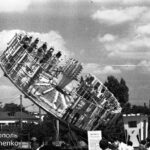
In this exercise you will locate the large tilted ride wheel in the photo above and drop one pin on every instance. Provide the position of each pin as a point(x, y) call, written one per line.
point(53, 84)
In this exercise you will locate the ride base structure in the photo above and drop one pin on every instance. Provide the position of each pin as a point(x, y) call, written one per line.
point(56, 85)
point(136, 128)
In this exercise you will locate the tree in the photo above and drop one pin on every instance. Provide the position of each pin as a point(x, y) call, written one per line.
point(140, 109)
point(13, 107)
point(127, 108)
point(119, 89)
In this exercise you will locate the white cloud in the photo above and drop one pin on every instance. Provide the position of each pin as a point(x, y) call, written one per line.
point(7, 91)
point(144, 63)
point(14, 5)
point(53, 38)
point(146, 17)
point(23, 5)
point(135, 2)
point(132, 42)
point(122, 2)
point(8, 6)
point(82, 51)
point(110, 70)
point(118, 16)
point(10, 94)
point(144, 66)
point(17, 5)
point(99, 70)
point(107, 38)
point(130, 47)
point(127, 67)
point(140, 42)
point(129, 55)
point(5, 37)
point(144, 29)
point(105, 1)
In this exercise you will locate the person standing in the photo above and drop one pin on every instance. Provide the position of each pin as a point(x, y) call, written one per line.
point(142, 145)
point(130, 145)
point(104, 145)
point(148, 146)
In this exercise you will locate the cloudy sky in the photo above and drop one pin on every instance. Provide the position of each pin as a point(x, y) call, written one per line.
point(110, 37)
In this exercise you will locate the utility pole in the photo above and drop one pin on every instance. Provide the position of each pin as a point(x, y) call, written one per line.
point(145, 105)
point(57, 131)
point(40, 115)
point(21, 118)
point(21, 112)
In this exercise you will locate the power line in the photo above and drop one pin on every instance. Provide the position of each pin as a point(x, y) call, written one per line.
point(123, 65)
point(29, 105)
point(113, 65)
point(10, 98)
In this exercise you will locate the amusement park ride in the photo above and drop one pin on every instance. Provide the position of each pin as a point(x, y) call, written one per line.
point(56, 85)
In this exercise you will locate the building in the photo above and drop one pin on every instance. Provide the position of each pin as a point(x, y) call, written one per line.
point(136, 128)
point(11, 120)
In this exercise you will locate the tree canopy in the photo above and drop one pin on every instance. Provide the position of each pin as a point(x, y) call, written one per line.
point(118, 88)
point(12, 107)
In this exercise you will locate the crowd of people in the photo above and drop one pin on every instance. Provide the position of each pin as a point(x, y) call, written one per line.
point(121, 145)
point(23, 46)
point(104, 144)
point(25, 57)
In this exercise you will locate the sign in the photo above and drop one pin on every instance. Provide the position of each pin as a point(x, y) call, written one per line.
point(24, 145)
point(136, 128)
point(94, 138)
point(8, 140)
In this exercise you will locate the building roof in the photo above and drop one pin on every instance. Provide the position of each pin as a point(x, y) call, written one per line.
point(137, 114)
point(5, 115)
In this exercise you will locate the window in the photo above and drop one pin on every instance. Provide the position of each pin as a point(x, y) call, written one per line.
point(11, 113)
point(11, 125)
point(2, 124)
point(96, 86)
point(132, 124)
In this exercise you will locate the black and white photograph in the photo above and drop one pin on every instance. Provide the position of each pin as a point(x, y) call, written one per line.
point(74, 74)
